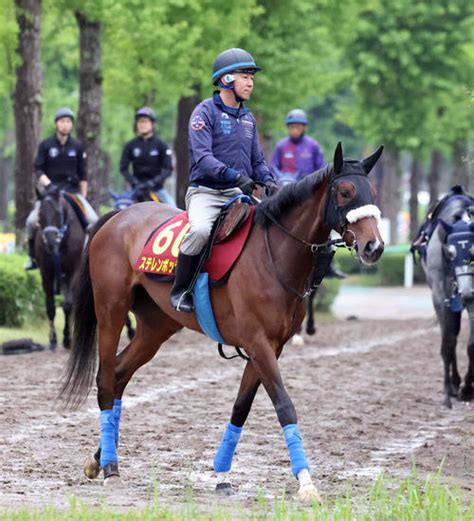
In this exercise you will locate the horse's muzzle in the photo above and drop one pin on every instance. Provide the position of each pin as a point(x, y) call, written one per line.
point(372, 251)
point(465, 281)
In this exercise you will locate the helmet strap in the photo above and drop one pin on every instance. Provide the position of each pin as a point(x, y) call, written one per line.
point(230, 86)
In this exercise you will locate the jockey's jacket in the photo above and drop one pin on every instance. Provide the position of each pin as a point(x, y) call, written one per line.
point(64, 164)
point(223, 142)
point(301, 157)
point(150, 158)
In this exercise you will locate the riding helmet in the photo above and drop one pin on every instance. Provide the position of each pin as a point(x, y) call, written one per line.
point(233, 60)
point(64, 112)
point(145, 112)
point(296, 116)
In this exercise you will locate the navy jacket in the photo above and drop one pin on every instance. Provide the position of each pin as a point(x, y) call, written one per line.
point(150, 158)
point(223, 142)
point(63, 164)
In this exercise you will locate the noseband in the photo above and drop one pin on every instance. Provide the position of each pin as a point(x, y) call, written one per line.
point(322, 253)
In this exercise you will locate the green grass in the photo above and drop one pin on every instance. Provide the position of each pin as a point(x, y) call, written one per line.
point(411, 500)
point(36, 329)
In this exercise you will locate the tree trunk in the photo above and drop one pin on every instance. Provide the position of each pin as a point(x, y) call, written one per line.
point(5, 173)
point(415, 178)
point(186, 105)
point(389, 190)
point(27, 106)
point(435, 169)
point(460, 175)
point(90, 99)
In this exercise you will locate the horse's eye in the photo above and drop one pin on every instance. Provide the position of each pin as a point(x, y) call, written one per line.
point(346, 194)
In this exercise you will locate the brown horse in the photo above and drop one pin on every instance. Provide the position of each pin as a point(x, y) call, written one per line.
point(258, 308)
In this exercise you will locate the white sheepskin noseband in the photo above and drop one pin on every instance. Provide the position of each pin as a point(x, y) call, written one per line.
point(368, 210)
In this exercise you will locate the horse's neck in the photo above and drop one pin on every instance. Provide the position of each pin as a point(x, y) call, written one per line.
point(306, 222)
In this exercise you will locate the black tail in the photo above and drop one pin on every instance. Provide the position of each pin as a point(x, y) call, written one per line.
point(81, 365)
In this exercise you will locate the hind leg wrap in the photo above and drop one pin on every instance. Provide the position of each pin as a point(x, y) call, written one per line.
point(108, 449)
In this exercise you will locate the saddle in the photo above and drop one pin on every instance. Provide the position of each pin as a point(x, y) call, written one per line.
point(76, 204)
point(227, 240)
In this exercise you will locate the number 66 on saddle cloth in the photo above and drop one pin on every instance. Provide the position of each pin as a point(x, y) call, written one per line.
point(158, 257)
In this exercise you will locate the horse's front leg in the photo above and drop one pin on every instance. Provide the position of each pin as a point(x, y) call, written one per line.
point(450, 326)
point(48, 287)
point(265, 362)
point(67, 308)
point(310, 323)
point(467, 392)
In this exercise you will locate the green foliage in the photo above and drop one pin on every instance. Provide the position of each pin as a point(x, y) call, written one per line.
point(21, 293)
point(409, 62)
point(327, 294)
point(9, 59)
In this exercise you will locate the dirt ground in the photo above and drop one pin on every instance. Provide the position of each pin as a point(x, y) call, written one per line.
point(368, 397)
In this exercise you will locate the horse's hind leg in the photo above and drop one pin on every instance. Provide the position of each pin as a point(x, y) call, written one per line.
point(467, 392)
point(153, 328)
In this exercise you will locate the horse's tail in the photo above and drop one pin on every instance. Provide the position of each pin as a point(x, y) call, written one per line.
point(81, 365)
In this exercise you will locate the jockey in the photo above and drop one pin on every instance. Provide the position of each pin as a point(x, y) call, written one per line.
point(150, 157)
point(299, 155)
point(225, 161)
point(59, 161)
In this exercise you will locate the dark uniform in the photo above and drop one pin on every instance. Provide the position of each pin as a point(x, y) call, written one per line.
point(62, 164)
point(151, 164)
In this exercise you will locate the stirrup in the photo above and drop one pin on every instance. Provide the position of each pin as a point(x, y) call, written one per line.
point(31, 264)
point(181, 299)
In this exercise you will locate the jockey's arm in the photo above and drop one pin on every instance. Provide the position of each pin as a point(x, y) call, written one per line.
point(83, 188)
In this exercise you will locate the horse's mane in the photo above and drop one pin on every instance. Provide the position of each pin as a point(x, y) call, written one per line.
point(291, 195)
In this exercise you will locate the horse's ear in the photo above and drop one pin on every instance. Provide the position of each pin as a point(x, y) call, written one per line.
point(447, 227)
point(338, 159)
point(369, 162)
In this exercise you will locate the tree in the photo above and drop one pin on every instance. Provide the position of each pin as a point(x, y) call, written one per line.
point(27, 105)
point(407, 58)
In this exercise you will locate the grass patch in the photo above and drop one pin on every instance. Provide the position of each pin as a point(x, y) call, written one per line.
point(36, 329)
point(411, 500)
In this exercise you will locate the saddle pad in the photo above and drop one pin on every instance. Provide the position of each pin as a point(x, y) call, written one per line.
point(162, 248)
point(76, 204)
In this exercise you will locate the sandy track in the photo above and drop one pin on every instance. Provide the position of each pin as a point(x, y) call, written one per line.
point(367, 393)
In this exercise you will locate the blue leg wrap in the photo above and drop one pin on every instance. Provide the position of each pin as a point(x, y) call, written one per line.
point(117, 412)
point(295, 448)
point(108, 451)
point(225, 453)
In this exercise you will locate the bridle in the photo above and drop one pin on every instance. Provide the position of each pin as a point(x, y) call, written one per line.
point(321, 252)
point(61, 232)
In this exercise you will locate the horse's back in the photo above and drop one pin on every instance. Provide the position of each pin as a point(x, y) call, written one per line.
point(127, 231)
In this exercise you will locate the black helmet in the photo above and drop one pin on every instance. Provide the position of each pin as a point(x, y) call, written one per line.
point(145, 112)
point(233, 60)
point(64, 112)
point(296, 116)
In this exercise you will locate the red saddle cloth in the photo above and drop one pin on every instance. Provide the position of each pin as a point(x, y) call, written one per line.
point(161, 249)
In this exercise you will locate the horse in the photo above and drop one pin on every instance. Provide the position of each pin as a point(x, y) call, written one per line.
point(260, 307)
point(452, 286)
point(59, 244)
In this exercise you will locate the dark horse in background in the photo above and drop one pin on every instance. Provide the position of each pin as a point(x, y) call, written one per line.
point(257, 308)
point(59, 245)
point(448, 261)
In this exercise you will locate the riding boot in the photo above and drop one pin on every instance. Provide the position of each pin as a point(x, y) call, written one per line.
point(31, 262)
point(180, 296)
point(334, 273)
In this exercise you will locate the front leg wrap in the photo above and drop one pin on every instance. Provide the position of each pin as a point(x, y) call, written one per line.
point(225, 453)
point(295, 448)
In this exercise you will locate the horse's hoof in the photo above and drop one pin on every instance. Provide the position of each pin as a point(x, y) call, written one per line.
point(91, 467)
point(224, 489)
point(447, 402)
point(111, 474)
point(466, 394)
point(311, 330)
point(297, 340)
point(308, 493)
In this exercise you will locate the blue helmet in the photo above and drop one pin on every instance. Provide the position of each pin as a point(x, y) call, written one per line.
point(233, 60)
point(64, 112)
point(145, 112)
point(296, 116)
